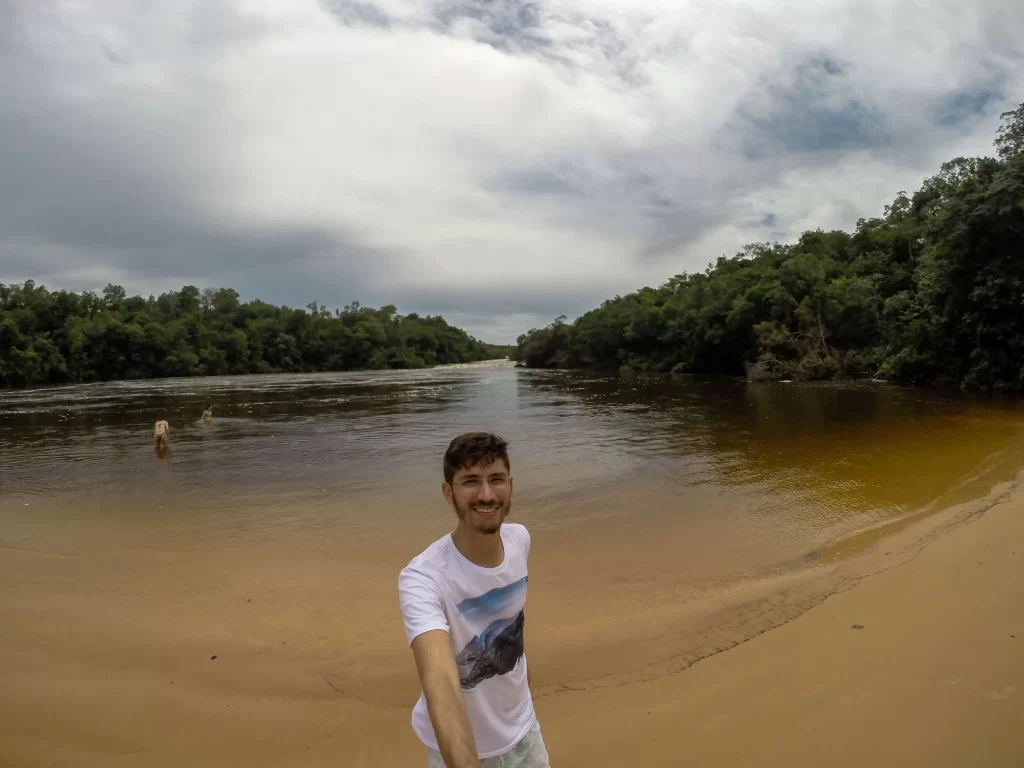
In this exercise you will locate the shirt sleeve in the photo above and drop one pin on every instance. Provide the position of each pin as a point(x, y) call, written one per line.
point(422, 604)
point(521, 537)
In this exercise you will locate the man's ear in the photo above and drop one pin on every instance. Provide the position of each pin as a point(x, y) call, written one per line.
point(446, 491)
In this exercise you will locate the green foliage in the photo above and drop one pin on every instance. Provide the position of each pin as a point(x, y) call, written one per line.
point(930, 293)
point(58, 336)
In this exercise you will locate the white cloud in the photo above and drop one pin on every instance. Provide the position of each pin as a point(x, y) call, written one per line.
point(450, 156)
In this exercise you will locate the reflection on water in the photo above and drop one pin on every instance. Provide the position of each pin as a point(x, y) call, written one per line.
point(734, 463)
point(821, 451)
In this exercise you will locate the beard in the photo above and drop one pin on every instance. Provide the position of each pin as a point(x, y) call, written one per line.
point(491, 523)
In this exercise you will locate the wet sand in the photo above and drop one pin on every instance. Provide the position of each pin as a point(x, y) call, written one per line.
point(934, 676)
point(107, 639)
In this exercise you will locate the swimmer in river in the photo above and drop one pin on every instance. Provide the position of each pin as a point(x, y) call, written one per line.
point(162, 437)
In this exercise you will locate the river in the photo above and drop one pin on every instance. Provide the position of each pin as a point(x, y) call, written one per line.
point(747, 476)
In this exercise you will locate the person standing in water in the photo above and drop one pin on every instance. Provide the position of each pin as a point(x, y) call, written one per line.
point(463, 603)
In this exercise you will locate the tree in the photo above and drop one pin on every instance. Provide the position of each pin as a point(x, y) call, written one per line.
point(53, 337)
point(932, 292)
point(1010, 136)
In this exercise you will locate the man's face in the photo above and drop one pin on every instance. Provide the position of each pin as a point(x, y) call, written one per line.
point(481, 495)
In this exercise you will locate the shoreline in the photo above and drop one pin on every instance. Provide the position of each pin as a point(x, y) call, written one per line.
point(292, 678)
point(720, 619)
point(940, 685)
point(261, 374)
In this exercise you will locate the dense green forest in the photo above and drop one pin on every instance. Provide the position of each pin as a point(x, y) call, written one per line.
point(59, 336)
point(930, 293)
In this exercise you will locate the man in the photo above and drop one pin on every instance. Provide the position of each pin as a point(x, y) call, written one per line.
point(463, 601)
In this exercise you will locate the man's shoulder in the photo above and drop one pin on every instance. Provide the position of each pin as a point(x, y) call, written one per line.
point(431, 556)
point(516, 532)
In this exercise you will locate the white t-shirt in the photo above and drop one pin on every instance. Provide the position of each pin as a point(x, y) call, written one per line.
point(482, 611)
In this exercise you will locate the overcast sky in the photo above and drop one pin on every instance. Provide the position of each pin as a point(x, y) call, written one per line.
point(500, 162)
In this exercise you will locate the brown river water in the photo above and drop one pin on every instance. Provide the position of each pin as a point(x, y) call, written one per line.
point(758, 474)
point(672, 517)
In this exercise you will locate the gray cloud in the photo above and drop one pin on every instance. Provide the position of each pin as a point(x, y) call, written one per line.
point(500, 162)
point(513, 26)
point(963, 107)
point(811, 108)
point(354, 12)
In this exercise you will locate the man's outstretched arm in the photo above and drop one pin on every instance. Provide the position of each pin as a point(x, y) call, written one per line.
point(439, 678)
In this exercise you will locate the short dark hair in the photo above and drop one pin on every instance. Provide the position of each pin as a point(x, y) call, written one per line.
point(474, 448)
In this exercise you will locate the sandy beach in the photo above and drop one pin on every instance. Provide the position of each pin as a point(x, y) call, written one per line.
point(919, 665)
point(107, 644)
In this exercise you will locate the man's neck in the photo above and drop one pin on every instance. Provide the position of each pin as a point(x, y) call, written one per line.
point(483, 549)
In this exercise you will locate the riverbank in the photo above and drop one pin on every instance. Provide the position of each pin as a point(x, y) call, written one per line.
point(921, 664)
point(120, 650)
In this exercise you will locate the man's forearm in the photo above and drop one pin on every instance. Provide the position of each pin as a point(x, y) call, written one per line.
point(451, 726)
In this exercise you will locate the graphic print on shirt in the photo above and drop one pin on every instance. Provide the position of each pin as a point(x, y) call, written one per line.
point(497, 649)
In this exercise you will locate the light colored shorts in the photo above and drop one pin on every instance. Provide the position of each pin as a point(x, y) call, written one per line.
point(530, 752)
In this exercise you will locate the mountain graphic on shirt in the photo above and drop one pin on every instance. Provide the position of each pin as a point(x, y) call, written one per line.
point(494, 602)
point(495, 651)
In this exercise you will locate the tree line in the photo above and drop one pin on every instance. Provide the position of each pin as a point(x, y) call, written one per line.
point(931, 293)
point(51, 337)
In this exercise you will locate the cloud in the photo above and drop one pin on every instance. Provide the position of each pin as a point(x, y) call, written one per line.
point(810, 109)
point(963, 106)
point(500, 162)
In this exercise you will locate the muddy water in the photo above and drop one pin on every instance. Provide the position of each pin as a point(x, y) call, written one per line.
point(745, 476)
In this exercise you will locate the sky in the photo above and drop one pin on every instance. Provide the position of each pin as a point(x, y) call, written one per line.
point(498, 162)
